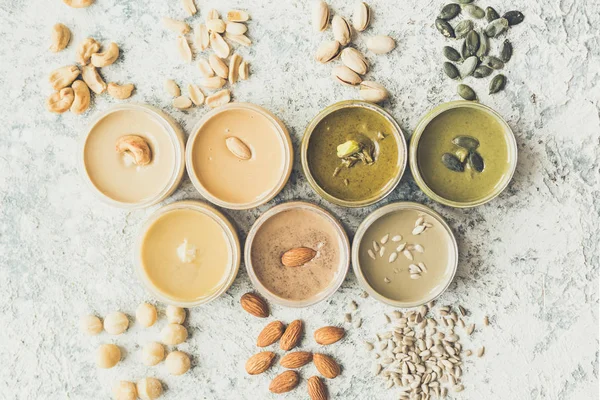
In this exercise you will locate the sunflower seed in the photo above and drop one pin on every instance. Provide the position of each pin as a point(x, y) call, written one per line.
point(348, 317)
point(506, 51)
point(237, 16)
point(415, 276)
point(376, 369)
point(419, 248)
point(211, 14)
point(445, 28)
point(465, 26)
point(458, 388)
point(371, 254)
point(418, 230)
point(353, 305)
point(376, 246)
point(470, 329)
point(357, 323)
point(386, 280)
point(369, 346)
point(468, 353)
point(514, 17)
point(396, 238)
point(408, 254)
point(468, 66)
point(486, 321)
point(466, 93)
point(239, 39)
point(364, 295)
point(491, 14)
point(451, 54)
point(393, 257)
point(422, 266)
point(450, 70)
point(481, 351)
point(463, 311)
point(496, 27)
point(236, 28)
point(216, 25)
point(452, 162)
point(400, 247)
point(482, 71)
point(381, 251)
point(387, 318)
point(474, 11)
point(449, 11)
point(385, 238)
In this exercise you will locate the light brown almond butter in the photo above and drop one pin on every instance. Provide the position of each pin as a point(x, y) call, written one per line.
point(255, 305)
point(260, 362)
point(316, 388)
point(326, 365)
point(296, 359)
point(270, 334)
point(284, 382)
point(291, 336)
point(298, 256)
point(328, 335)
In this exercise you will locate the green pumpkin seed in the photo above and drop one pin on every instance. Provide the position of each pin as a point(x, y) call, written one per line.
point(468, 66)
point(514, 17)
point(476, 161)
point(474, 11)
point(497, 83)
point(451, 70)
point(445, 28)
point(491, 14)
point(472, 43)
point(482, 71)
point(465, 1)
point(484, 45)
point(463, 28)
point(466, 92)
point(452, 162)
point(493, 62)
point(449, 11)
point(506, 51)
point(467, 142)
point(496, 27)
point(451, 54)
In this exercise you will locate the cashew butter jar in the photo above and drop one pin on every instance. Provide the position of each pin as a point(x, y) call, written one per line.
point(239, 156)
point(132, 156)
point(187, 253)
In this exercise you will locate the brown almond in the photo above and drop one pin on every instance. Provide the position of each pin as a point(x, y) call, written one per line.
point(270, 334)
point(296, 359)
point(298, 256)
point(291, 336)
point(259, 363)
point(255, 305)
point(328, 335)
point(316, 388)
point(326, 365)
point(284, 382)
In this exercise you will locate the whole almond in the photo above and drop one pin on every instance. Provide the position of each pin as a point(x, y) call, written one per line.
point(259, 363)
point(328, 335)
point(326, 365)
point(296, 359)
point(291, 336)
point(284, 382)
point(270, 334)
point(254, 305)
point(316, 388)
point(297, 257)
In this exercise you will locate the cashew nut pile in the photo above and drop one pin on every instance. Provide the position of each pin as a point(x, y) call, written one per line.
point(108, 355)
point(216, 71)
point(72, 93)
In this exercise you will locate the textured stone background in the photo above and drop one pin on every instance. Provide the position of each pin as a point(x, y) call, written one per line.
point(529, 259)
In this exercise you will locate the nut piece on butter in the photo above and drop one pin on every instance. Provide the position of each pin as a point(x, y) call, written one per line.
point(348, 148)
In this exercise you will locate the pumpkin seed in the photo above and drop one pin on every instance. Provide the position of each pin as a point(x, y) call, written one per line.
point(466, 92)
point(497, 83)
point(445, 28)
point(467, 142)
point(474, 11)
point(471, 44)
point(451, 54)
point(494, 62)
point(452, 162)
point(484, 45)
point(506, 51)
point(496, 27)
point(514, 17)
point(451, 70)
point(491, 14)
point(482, 71)
point(476, 161)
point(463, 28)
point(465, 1)
point(468, 66)
point(449, 11)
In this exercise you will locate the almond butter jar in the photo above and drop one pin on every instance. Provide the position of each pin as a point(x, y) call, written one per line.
point(297, 254)
point(132, 156)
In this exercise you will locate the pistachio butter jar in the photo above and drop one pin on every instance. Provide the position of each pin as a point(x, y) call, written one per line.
point(463, 154)
point(353, 153)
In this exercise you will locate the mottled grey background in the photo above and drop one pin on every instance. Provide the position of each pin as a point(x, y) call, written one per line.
point(529, 259)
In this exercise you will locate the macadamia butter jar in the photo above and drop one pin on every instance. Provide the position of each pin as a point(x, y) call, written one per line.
point(132, 156)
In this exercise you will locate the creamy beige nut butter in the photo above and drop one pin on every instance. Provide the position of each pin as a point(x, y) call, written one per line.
point(297, 254)
point(187, 253)
point(239, 156)
point(133, 156)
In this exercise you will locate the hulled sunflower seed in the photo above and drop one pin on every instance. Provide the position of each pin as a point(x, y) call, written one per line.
point(458, 388)
point(418, 230)
point(396, 238)
point(381, 251)
point(216, 25)
point(357, 323)
point(450, 70)
point(466, 92)
point(506, 51)
point(346, 76)
point(386, 280)
point(491, 14)
point(369, 346)
point(451, 54)
point(481, 351)
point(364, 295)
point(371, 254)
point(393, 257)
point(470, 329)
point(354, 60)
point(497, 83)
point(463, 311)
point(463, 28)
point(496, 27)
point(449, 11)
point(211, 14)
point(415, 276)
point(408, 255)
point(361, 17)
point(376, 369)
point(486, 321)
point(236, 28)
point(514, 17)
point(422, 266)
point(418, 248)
point(376, 246)
point(474, 11)
point(328, 51)
point(348, 317)
point(444, 28)
point(401, 247)
point(341, 30)
point(468, 353)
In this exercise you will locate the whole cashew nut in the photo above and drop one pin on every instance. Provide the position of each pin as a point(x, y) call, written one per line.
point(61, 35)
point(120, 92)
point(90, 75)
point(107, 57)
point(78, 3)
point(85, 50)
point(63, 76)
point(60, 101)
point(135, 146)
point(82, 97)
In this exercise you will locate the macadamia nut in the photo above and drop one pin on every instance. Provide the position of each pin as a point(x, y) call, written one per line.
point(146, 314)
point(90, 325)
point(153, 353)
point(178, 363)
point(173, 334)
point(116, 323)
point(175, 315)
point(107, 356)
point(149, 389)
point(125, 390)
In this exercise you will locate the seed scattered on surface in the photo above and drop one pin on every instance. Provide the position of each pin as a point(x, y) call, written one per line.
point(491, 14)
point(422, 266)
point(396, 238)
point(463, 28)
point(348, 317)
point(451, 53)
point(419, 248)
point(470, 329)
point(418, 230)
point(401, 247)
point(408, 254)
point(466, 93)
point(463, 311)
point(514, 17)
point(364, 295)
point(346, 182)
point(459, 388)
point(468, 353)
point(445, 28)
point(496, 27)
point(415, 276)
point(486, 321)
point(468, 66)
point(387, 318)
point(381, 251)
point(484, 45)
point(449, 11)
point(369, 346)
point(482, 71)
point(494, 62)
point(481, 351)
point(471, 44)
point(506, 51)
point(371, 254)
point(450, 70)
point(497, 83)
point(474, 11)
point(385, 239)
point(357, 323)
point(353, 305)
point(393, 257)
point(376, 246)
